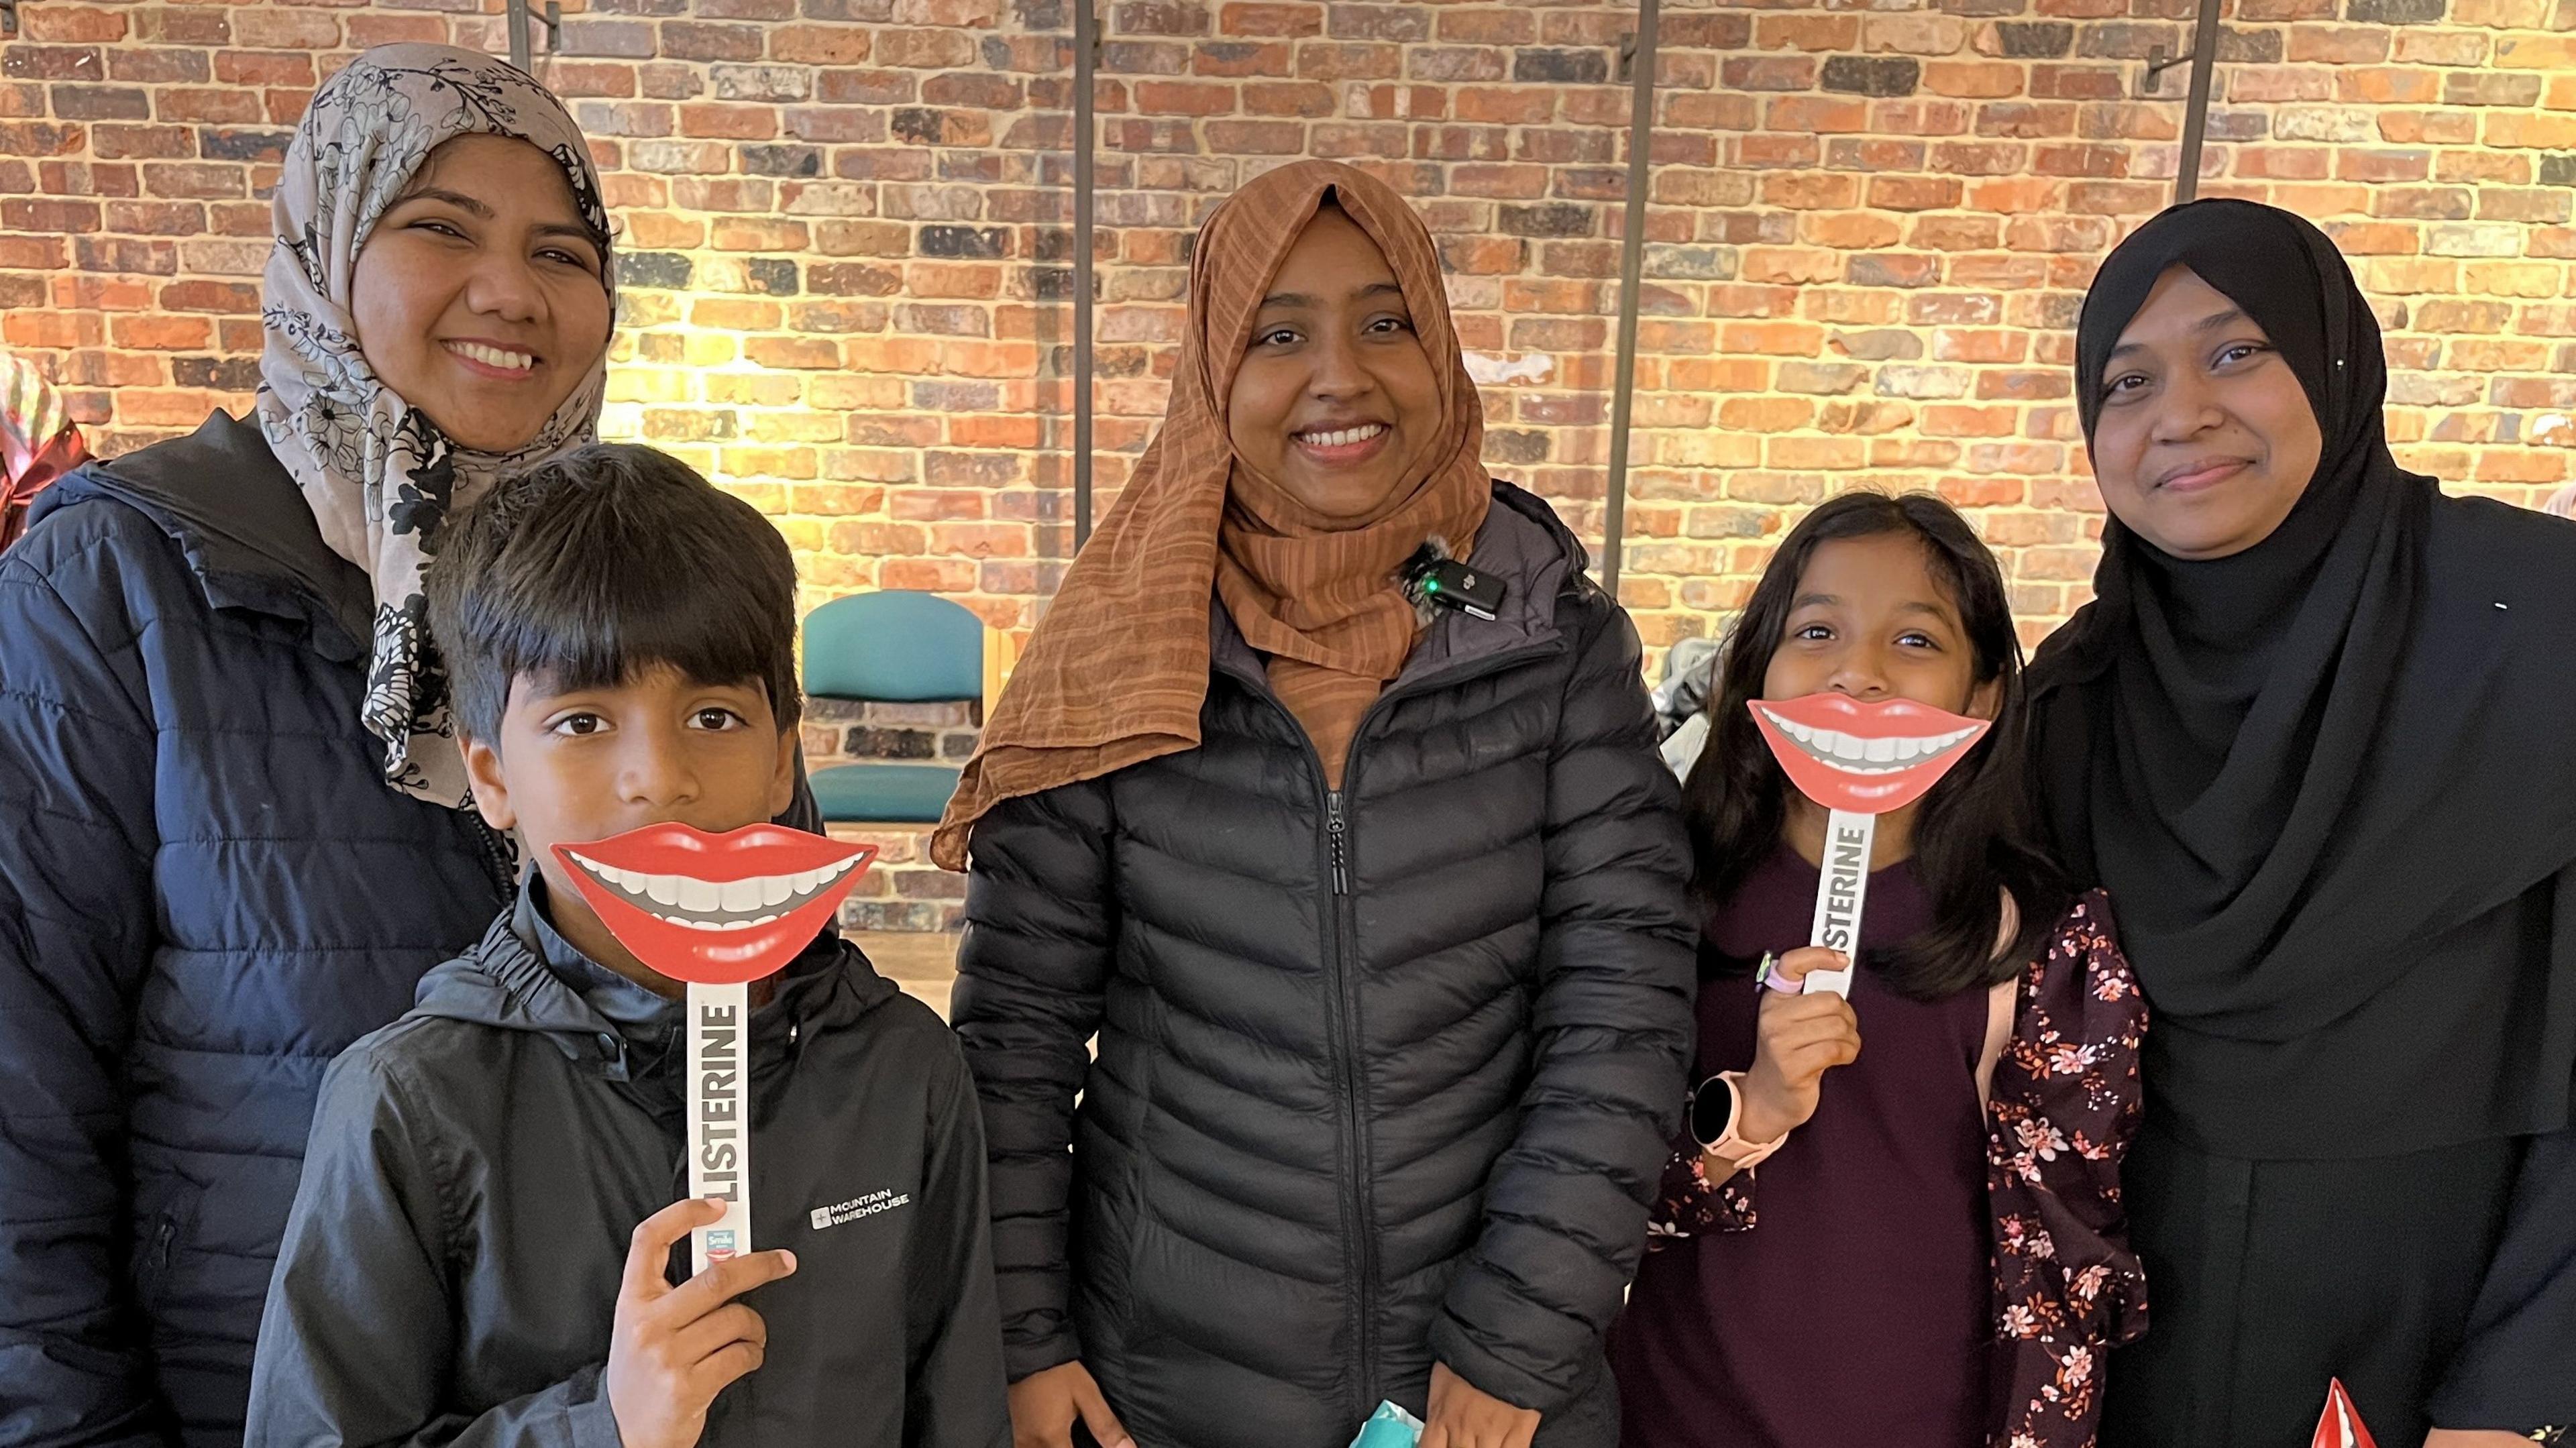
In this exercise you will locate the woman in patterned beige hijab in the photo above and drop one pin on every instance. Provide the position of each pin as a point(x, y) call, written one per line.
point(400, 379)
point(210, 672)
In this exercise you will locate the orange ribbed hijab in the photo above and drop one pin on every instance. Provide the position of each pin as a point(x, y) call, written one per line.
point(1117, 670)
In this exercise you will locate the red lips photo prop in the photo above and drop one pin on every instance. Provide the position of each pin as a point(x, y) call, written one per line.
point(1864, 758)
point(2340, 1426)
point(715, 909)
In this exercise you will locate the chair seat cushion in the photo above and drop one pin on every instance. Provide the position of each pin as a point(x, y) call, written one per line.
point(903, 794)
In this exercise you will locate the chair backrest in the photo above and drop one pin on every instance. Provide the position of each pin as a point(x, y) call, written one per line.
point(896, 647)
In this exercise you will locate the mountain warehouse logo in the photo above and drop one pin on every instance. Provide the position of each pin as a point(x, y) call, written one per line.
point(885, 1199)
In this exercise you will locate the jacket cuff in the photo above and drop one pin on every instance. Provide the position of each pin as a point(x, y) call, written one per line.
point(1027, 1359)
point(589, 1421)
point(1459, 1347)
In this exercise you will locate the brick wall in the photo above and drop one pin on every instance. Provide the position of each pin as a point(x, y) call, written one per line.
point(847, 240)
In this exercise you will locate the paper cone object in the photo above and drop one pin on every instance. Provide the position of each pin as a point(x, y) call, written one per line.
point(715, 909)
point(1864, 758)
point(2340, 1426)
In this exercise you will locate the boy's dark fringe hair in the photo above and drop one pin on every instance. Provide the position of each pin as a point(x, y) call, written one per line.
point(603, 561)
point(1975, 828)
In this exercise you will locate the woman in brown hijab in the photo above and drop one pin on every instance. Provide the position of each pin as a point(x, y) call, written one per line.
point(1372, 892)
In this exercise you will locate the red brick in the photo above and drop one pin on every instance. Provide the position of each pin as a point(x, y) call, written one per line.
point(2388, 86)
point(19, 214)
point(1913, 193)
point(159, 218)
point(1972, 79)
point(161, 334)
point(195, 179)
point(240, 298)
point(215, 107)
point(1184, 98)
point(255, 68)
point(1816, 114)
point(1806, 32)
point(1768, 72)
point(1289, 98)
point(1328, 60)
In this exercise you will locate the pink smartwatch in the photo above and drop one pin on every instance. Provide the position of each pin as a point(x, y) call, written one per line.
point(1716, 1108)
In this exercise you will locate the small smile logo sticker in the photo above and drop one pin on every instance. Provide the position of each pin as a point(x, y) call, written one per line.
point(1864, 758)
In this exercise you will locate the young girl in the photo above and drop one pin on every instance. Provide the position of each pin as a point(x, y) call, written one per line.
point(1920, 1244)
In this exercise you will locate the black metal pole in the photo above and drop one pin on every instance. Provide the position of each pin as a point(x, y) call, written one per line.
point(1086, 45)
point(2195, 116)
point(1632, 255)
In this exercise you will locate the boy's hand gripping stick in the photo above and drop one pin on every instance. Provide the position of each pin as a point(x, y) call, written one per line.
point(1859, 760)
point(719, 912)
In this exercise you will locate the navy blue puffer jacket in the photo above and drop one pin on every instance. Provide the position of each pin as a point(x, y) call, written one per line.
point(206, 891)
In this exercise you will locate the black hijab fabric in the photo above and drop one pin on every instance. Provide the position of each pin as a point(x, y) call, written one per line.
point(2303, 769)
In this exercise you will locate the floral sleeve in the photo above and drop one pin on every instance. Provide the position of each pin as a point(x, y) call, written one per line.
point(2066, 1104)
point(1688, 1203)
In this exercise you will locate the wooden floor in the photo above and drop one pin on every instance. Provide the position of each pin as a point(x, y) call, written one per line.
point(924, 964)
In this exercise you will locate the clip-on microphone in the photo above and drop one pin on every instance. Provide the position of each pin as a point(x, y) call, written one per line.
point(1431, 576)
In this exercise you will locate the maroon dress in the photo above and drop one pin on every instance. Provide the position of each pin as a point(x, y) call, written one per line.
point(1860, 1311)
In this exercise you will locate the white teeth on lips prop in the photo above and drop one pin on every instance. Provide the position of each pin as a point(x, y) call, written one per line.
point(1854, 755)
point(712, 904)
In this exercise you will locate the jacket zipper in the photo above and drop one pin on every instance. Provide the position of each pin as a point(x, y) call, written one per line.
point(1342, 1000)
point(496, 855)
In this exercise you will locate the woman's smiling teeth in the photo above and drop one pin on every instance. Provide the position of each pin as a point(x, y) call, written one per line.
point(1343, 436)
point(506, 360)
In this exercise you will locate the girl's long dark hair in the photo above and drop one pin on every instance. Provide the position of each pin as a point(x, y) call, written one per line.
point(1974, 831)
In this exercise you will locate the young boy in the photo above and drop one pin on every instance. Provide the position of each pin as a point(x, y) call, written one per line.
point(484, 1244)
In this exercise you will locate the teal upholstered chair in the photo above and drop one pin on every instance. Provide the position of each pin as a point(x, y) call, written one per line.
point(898, 647)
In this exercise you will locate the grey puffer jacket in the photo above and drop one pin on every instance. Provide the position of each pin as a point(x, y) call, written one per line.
point(1385, 1074)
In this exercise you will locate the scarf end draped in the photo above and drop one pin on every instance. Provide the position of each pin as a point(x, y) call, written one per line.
point(1009, 771)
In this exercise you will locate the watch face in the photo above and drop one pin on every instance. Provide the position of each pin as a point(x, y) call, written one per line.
point(1712, 1110)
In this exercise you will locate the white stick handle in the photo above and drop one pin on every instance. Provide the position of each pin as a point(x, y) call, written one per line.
point(1842, 888)
point(719, 1098)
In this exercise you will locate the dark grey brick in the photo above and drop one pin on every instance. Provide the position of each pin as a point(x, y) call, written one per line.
point(2035, 39)
point(666, 269)
point(782, 160)
point(983, 243)
point(1555, 219)
point(2396, 12)
point(1561, 67)
point(223, 145)
point(1872, 75)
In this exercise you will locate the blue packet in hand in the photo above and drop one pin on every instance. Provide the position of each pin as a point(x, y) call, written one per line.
point(1389, 1427)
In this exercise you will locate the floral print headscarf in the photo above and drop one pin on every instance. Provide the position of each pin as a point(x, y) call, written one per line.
point(378, 474)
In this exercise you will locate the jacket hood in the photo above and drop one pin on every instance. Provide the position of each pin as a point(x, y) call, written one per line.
point(241, 523)
point(524, 976)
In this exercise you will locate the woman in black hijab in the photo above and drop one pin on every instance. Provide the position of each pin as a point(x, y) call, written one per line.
point(2313, 735)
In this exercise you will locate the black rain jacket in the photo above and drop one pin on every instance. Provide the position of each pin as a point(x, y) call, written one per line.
point(451, 1268)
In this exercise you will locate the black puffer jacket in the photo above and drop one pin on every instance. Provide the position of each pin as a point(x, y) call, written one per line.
point(1384, 1075)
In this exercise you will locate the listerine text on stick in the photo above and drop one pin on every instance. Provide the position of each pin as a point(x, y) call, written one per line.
point(1846, 875)
point(719, 1068)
